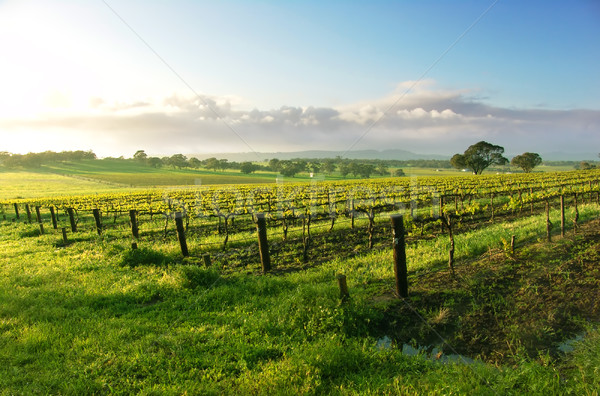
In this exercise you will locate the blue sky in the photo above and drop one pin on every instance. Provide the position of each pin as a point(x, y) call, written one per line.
point(200, 76)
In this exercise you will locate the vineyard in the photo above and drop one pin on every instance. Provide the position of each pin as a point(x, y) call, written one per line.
point(202, 241)
point(310, 212)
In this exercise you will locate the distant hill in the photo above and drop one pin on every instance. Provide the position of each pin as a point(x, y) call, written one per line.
point(401, 155)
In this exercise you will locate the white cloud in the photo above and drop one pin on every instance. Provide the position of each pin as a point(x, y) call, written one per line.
point(422, 120)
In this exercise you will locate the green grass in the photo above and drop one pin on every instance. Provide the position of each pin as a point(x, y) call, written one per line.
point(130, 173)
point(27, 184)
point(96, 317)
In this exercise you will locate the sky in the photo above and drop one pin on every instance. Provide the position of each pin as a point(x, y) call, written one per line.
point(431, 77)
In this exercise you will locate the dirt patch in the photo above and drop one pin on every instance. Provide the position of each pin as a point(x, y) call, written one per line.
point(503, 304)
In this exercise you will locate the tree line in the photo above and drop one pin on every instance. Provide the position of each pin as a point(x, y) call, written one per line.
point(35, 160)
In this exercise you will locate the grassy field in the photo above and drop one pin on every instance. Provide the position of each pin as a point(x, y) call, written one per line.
point(110, 175)
point(95, 316)
point(27, 184)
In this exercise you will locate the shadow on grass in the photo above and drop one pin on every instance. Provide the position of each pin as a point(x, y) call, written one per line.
point(143, 256)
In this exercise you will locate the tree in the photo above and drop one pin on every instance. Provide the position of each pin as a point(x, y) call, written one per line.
point(290, 168)
point(223, 164)
point(382, 169)
point(194, 163)
point(178, 161)
point(399, 173)
point(275, 164)
point(328, 166)
point(212, 163)
point(526, 161)
point(248, 167)
point(478, 157)
point(344, 169)
point(584, 165)
point(140, 156)
point(155, 162)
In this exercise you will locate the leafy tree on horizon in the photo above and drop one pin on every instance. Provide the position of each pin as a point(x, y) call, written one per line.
point(479, 156)
point(178, 161)
point(248, 167)
point(527, 161)
point(155, 162)
point(140, 156)
point(194, 163)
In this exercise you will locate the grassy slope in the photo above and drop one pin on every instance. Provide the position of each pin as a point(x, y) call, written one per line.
point(130, 173)
point(95, 317)
point(29, 184)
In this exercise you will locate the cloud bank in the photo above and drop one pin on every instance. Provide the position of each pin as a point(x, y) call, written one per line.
point(416, 117)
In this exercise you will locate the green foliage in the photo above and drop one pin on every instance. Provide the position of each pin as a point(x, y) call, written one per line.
point(527, 161)
point(96, 317)
point(199, 277)
point(479, 156)
point(142, 256)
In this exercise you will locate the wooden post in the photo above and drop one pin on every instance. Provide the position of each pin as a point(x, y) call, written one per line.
point(451, 250)
point(17, 211)
point(206, 258)
point(492, 206)
point(53, 216)
point(134, 225)
point(400, 271)
point(576, 218)
point(263, 244)
point(181, 234)
point(562, 216)
point(72, 219)
point(134, 246)
point(41, 228)
point(512, 244)
point(548, 222)
point(344, 294)
point(441, 215)
point(38, 216)
point(98, 219)
point(64, 235)
point(28, 213)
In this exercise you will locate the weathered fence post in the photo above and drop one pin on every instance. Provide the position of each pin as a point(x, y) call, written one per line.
point(548, 222)
point(181, 234)
point(38, 215)
point(134, 246)
point(98, 219)
point(134, 225)
point(64, 235)
point(562, 216)
point(400, 271)
point(53, 216)
point(512, 244)
point(206, 258)
point(28, 213)
point(576, 218)
point(452, 245)
point(17, 211)
point(72, 219)
point(263, 244)
point(344, 294)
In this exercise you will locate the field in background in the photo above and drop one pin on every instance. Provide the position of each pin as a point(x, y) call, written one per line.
point(109, 175)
